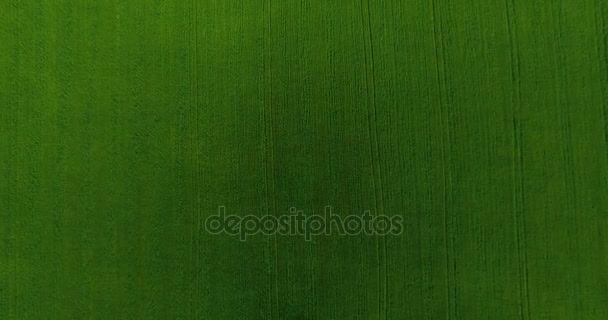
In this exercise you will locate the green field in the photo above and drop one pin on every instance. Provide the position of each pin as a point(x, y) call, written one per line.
point(124, 125)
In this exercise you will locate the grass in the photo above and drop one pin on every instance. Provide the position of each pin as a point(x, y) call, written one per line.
point(125, 124)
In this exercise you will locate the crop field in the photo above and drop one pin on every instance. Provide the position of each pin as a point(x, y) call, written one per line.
point(126, 125)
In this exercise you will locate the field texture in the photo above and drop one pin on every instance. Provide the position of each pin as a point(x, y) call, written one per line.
point(125, 124)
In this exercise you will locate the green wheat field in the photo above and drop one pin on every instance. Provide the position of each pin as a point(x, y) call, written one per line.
point(124, 125)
